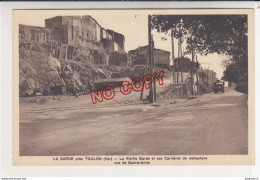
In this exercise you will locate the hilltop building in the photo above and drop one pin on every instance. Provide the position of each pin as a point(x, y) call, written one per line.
point(73, 31)
point(36, 33)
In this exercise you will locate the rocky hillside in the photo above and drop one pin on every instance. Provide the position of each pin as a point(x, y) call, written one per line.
point(41, 69)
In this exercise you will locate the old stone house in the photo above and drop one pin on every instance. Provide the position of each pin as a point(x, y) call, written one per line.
point(160, 56)
point(71, 29)
point(118, 39)
point(91, 30)
point(70, 32)
point(34, 33)
point(65, 29)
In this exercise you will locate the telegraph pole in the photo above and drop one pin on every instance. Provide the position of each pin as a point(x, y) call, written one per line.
point(152, 57)
point(142, 92)
point(197, 76)
point(212, 79)
point(151, 93)
point(178, 62)
point(208, 75)
point(191, 72)
point(173, 64)
point(181, 28)
point(181, 63)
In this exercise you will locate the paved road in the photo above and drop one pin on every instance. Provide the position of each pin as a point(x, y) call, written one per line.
point(213, 124)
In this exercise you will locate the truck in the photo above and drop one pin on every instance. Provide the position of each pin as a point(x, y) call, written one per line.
point(219, 86)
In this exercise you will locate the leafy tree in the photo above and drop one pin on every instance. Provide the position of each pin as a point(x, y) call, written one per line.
point(204, 34)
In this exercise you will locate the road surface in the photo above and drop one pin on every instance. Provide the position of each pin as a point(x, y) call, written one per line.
point(212, 124)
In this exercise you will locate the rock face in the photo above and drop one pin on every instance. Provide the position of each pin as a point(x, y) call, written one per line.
point(38, 71)
point(68, 54)
point(47, 63)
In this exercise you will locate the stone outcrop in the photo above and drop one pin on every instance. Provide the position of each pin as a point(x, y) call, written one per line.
point(46, 63)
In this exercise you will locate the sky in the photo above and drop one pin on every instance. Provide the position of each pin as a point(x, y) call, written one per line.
point(132, 24)
point(211, 61)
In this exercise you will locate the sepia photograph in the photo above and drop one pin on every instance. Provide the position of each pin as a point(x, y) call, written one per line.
point(133, 87)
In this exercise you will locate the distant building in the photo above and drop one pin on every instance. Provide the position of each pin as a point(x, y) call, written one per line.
point(208, 76)
point(160, 56)
point(71, 29)
point(184, 64)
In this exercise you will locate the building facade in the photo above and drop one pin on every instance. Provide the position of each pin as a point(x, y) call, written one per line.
point(208, 76)
point(184, 64)
point(160, 56)
point(72, 29)
point(34, 33)
point(118, 39)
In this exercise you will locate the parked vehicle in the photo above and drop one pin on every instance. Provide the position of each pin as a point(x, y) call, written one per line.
point(219, 86)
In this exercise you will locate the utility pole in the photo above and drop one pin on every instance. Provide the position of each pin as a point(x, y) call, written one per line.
point(191, 72)
point(179, 27)
point(212, 79)
point(178, 62)
point(173, 64)
point(208, 75)
point(181, 62)
point(151, 93)
point(197, 75)
point(152, 58)
point(142, 92)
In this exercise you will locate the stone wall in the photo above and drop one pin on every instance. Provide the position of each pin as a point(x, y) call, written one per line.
point(105, 34)
point(34, 33)
point(90, 28)
point(55, 24)
point(175, 91)
point(108, 44)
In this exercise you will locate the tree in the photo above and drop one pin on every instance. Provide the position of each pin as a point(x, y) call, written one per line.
point(204, 34)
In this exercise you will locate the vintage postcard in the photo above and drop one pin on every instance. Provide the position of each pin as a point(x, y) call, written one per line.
point(133, 87)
